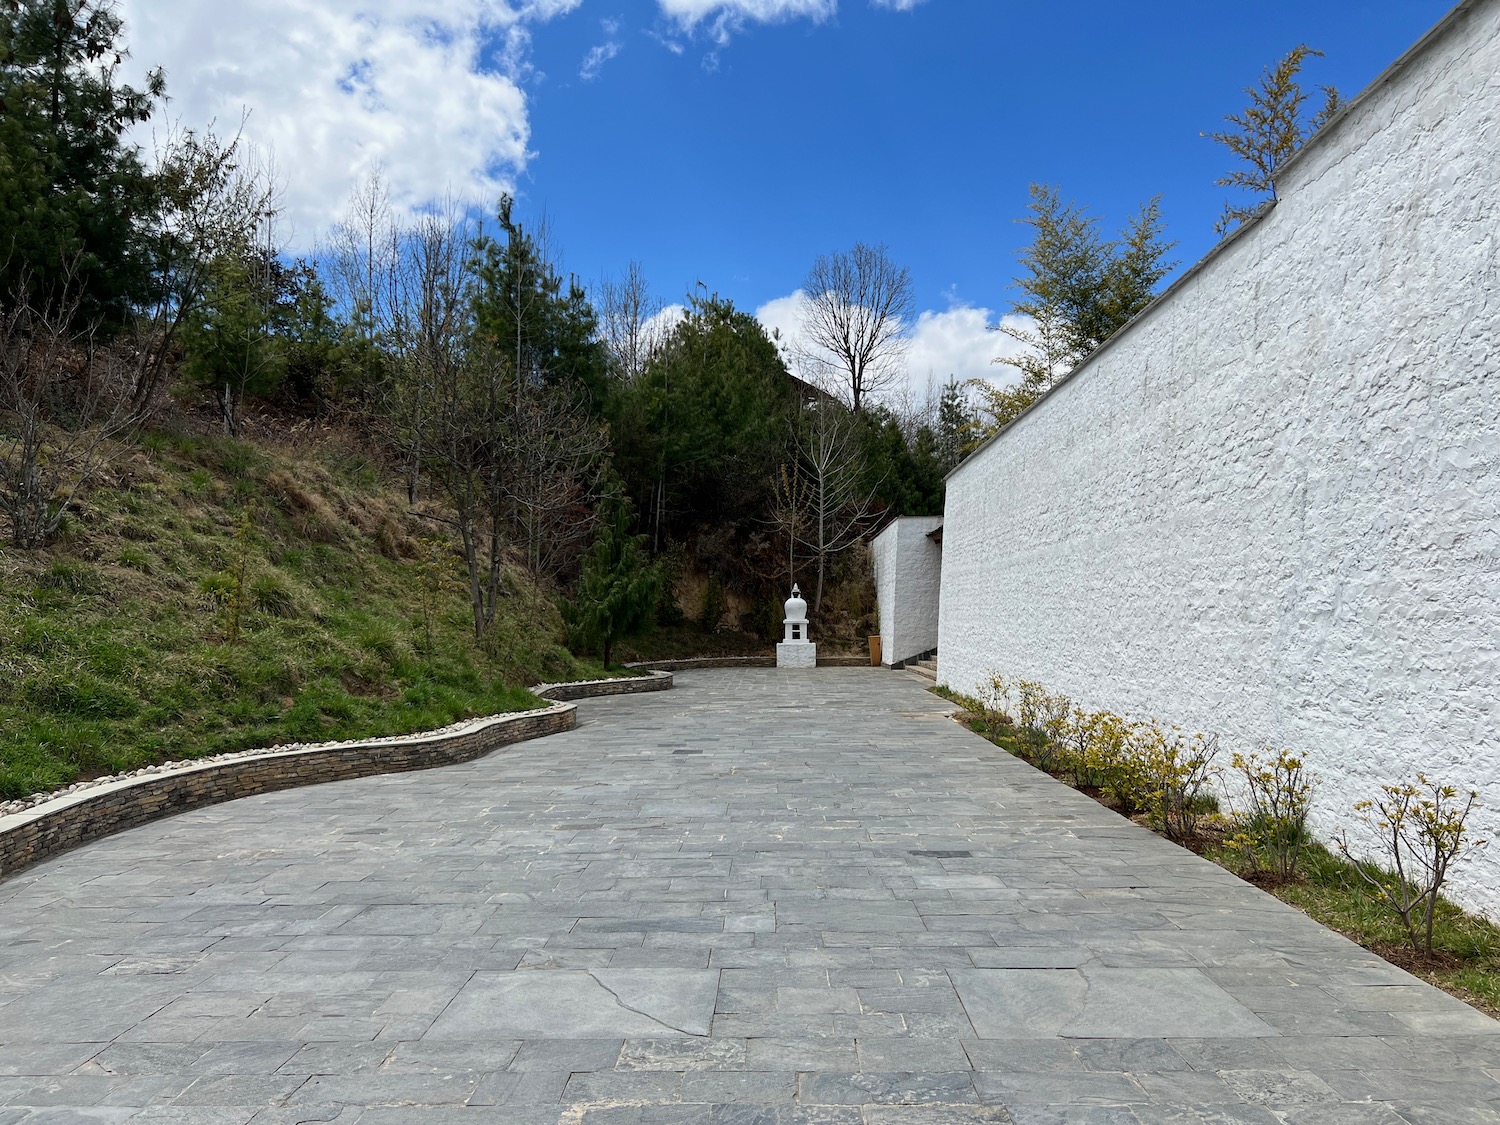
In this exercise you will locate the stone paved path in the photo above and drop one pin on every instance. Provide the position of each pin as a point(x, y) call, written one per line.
point(762, 898)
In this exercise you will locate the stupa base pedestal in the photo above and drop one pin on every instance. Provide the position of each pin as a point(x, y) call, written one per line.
point(798, 654)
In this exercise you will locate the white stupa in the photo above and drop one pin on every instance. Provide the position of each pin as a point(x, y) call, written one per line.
point(796, 649)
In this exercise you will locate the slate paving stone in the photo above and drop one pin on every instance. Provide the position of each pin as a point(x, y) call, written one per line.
point(568, 1004)
point(846, 910)
point(1102, 1003)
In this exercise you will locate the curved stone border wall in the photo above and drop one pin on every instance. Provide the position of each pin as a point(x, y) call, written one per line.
point(653, 680)
point(84, 815)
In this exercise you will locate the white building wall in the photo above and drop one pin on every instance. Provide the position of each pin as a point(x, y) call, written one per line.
point(1271, 507)
point(908, 574)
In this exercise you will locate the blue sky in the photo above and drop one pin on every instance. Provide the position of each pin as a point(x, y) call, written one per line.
point(730, 141)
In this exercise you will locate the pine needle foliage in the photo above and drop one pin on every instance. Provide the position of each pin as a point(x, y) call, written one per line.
point(1078, 288)
point(1269, 131)
point(618, 589)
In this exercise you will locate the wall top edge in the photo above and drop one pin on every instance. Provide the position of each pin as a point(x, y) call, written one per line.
point(1159, 300)
point(1434, 34)
point(896, 521)
point(1418, 49)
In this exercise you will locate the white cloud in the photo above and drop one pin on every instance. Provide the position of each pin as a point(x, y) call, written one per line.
point(339, 88)
point(955, 344)
point(594, 61)
point(781, 320)
point(725, 17)
point(960, 343)
point(659, 326)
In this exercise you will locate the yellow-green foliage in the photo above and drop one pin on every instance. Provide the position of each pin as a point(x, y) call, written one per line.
point(1167, 773)
point(1145, 766)
point(1422, 829)
point(1273, 829)
point(1095, 748)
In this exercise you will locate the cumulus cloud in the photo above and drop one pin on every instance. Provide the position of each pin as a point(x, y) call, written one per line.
point(897, 5)
point(336, 89)
point(960, 344)
point(957, 343)
point(659, 326)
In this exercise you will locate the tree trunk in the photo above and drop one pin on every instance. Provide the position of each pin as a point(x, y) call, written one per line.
point(476, 591)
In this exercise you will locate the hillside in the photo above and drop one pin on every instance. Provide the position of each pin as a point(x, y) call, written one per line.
point(220, 595)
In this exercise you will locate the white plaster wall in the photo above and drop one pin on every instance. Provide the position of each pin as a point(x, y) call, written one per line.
point(1271, 507)
point(883, 561)
point(908, 574)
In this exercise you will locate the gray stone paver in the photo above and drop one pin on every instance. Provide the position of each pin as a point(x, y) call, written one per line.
point(783, 928)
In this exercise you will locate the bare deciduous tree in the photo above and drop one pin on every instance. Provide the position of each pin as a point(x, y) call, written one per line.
point(840, 502)
point(556, 451)
point(628, 321)
point(430, 323)
point(791, 501)
point(63, 399)
point(461, 440)
point(364, 260)
point(855, 316)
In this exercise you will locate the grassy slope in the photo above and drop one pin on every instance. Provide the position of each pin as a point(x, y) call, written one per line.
point(117, 646)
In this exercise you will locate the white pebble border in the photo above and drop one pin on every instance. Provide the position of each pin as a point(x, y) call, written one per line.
point(463, 726)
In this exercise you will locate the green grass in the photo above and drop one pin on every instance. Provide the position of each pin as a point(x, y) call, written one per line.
point(119, 648)
point(1329, 890)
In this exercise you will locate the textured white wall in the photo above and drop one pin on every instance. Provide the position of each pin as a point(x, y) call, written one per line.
point(908, 574)
point(1271, 507)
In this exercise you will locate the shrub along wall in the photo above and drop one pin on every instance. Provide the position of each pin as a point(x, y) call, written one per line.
point(1270, 507)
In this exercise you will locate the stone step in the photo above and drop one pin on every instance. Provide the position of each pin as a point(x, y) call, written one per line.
point(927, 669)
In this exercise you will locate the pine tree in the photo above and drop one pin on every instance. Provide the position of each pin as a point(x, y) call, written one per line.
point(618, 588)
point(76, 199)
point(1078, 290)
point(1269, 131)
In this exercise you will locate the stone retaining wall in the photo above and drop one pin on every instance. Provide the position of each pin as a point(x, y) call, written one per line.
point(79, 817)
point(653, 680)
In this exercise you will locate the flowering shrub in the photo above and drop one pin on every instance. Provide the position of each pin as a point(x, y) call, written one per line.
point(1423, 830)
point(1278, 791)
point(1167, 774)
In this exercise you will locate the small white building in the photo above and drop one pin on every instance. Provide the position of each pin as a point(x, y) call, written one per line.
point(908, 560)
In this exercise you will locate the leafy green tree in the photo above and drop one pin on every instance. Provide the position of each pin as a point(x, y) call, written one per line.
point(954, 426)
point(699, 434)
point(544, 325)
point(260, 321)
point(75, 196)
point(1269, 131)
point(1078, 290)
point(619, 586)
point(903, 475)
